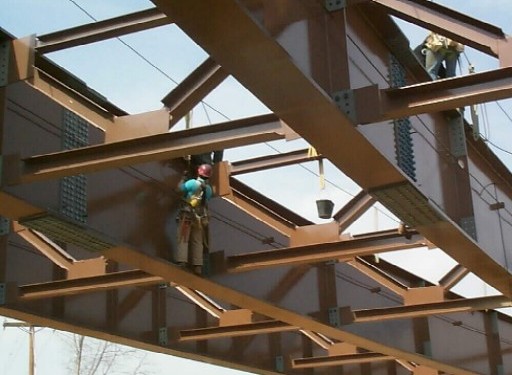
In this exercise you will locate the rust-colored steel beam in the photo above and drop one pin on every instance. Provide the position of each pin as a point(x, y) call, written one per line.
point(49, 249)
point(272, 161)
point(353, 210)
point(256, 204)
point(202, 301)
point(101, 30)
point(152, 148)
point(257, 328)
point(347, 249)
point(378, 275)
point(87, 285)
point(439, 95)
point(171, 273)
point(193, 89)
point(338, 360)
point(455, 275)
point(470, 31)
point(426, 309)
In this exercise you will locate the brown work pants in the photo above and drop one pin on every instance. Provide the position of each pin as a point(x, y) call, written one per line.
point(190, 241)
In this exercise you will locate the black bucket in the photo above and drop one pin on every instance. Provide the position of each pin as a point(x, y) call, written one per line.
point(324, 207)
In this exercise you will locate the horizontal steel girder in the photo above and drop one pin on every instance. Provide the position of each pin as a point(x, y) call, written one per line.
point(87, 284)
point(435, 96)
point(426, 309)
point(235, 330)
point(272, 161)
point(345, 250)
point(339, 360)
point(145, 149)
point(101, 30)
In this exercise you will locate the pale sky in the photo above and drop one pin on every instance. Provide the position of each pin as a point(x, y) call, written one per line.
point(148, 65)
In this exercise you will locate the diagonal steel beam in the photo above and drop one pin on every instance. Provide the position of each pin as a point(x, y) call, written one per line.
point(452, 278)
point(101, 30)
point(470, 31)
point(426, 309)
point(347, 249)
point(49, 249)
point(152, 148)
point(378, 275)
point(353, 210)
point(193, 89)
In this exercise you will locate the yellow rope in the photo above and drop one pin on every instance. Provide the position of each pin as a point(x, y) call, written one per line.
point(311, 154)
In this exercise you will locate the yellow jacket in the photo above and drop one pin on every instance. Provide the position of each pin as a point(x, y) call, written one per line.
point(435, 42)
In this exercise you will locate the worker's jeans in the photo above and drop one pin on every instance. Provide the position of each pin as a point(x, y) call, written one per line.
point(190, 238)
point(433, 61)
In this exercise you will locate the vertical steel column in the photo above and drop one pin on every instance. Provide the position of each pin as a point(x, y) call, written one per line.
point(492, 334)
point(112, 303)
point(328, 50)
point(4, 223)
point(201, 321)
point(328, 300)
point(421, 329)
point(276, 352)
point(159, 314)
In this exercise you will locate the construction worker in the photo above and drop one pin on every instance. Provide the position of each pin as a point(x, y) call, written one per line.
point(193, 219)
point(439, 49)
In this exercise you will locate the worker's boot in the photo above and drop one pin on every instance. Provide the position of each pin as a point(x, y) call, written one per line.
point(198, 270)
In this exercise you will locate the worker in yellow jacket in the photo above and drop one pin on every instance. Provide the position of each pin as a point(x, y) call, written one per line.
point(439, 49)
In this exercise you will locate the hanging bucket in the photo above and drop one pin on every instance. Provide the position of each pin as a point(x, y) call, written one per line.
point(324, 207)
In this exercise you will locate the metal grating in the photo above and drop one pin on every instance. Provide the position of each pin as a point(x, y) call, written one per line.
point(73, 189)
point(65, 231)
point(407, 203)
point(402, 127)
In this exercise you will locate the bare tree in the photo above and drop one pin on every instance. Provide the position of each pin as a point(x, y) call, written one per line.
point(98, 357)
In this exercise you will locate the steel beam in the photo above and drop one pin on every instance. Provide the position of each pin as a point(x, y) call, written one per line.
point(256, 328)
point(435, 96)
point(452, 278)
point(202, 301)
point(353, 210)
point(171, 273)
point(101, 30)
point(45, 246)
point(272, 161)
point(339, 360)
point(152, 148)
point(347, 249)
point(193, 89)
point(467, 30)
point(87, 285)
point(378, 275)
point(426, 309)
